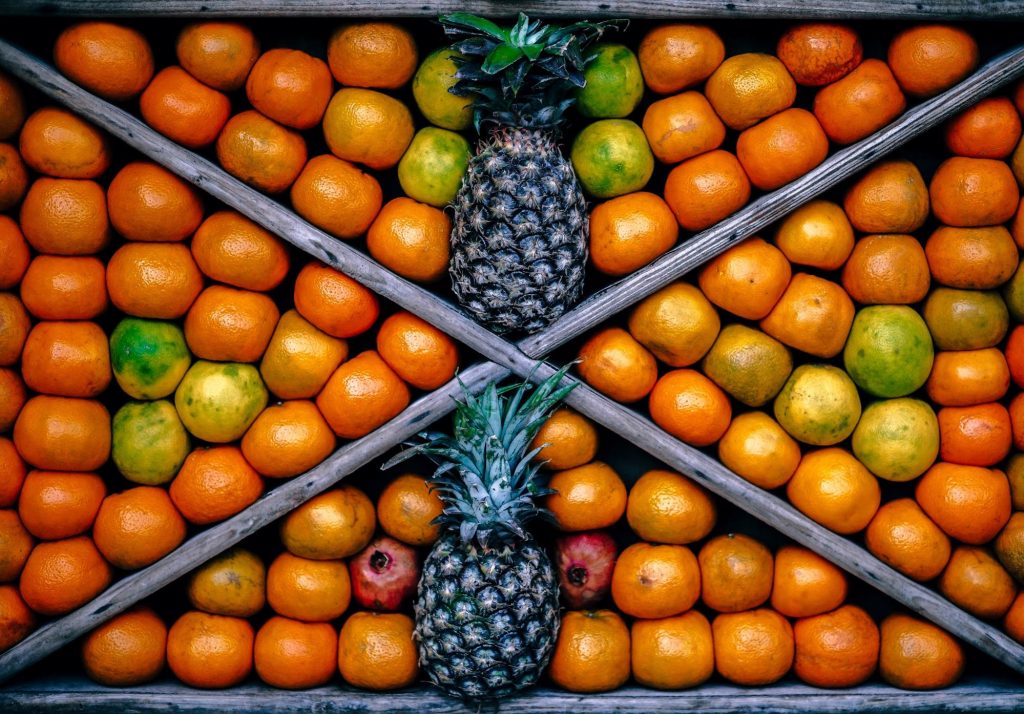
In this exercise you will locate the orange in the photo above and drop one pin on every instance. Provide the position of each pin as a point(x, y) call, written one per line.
point(969, 503)
point(1016, 410)
point(407, 508)
point(834, 489)
point(979, 435)
point(960, 379)
point(672, 653)
point(15, 323)
point(56, 504)
point(974, 258)
point(137, 527)
point(16, 620)
point(977, 583)
point(813, 315)
point(682, 126)
point(614, 363)
point(891, 197)
point(676, 56)
point(1013, 622)
point(219, 54)
point(758, 449)
point(65, 288)
point(781, 148)
point(860, 103)
point(337, 196)
point(411, 238)
point(308, 590)
point(915, 654)
point(63, 434)
point(735, 573)
point(57, 143)
point(261, 152)
point(158, 280)
point(149, 203)
point(1008, 546)
point(817, 234)
point(690, 406)
point(376, 651)
point(12, 107)
point(13, 177)
point(903, 537)
point(288, 438)
point(705, 189)
point(12, 399)
point(372, 54)
point(749, 87)
point(628, 232)
point(66, 359)
point(1015, 354)
point(17, 546)
point(127, 650)
point(748, 364)
point(12, 472)
point(666, 507)
point(184, 109)
point(569, 440)
point(988, 130)
point(336, 524)
point(300, 358)
point(367, 127)
point(233, 583)
point(295, 655)
point(110, 60)
point(592, 653)
point(65, 216)
point(15, 251)
point(62, 575)
point(652, 581)
point(210, 651)
point(290, 87)
point(213, 484)
point(747, 279)
point(230, 248)
point(973, 192)
point(819, 53)
point(361, 395)
point(586, 497)
point(837, 649)
point(889, 269)
point(230, 325)
point(805, 584)
point(419, 353)
point(677, 324)
point(752, 648)
point(927, 59)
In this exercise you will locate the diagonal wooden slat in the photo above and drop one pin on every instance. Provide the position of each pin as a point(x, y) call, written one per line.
point(720, 480)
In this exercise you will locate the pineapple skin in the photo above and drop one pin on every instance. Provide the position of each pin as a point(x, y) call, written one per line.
point(486, 619)
point(519, 239)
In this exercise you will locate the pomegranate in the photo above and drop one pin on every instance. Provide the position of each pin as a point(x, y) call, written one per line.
point(585, 562)
point(384, 574)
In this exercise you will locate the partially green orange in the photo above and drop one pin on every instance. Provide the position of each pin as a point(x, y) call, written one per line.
point(149, 357)
point(432, 168)
point(614, 83)
point(748, 364)
point(966, 319)
point(217, 401)
point(889, 350)
point(431, 89)
point(612, 158)
point(818, 405)
point(897, 439)
point(148, 442)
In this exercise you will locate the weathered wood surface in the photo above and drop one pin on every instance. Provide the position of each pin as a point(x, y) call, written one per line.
point(783, 9)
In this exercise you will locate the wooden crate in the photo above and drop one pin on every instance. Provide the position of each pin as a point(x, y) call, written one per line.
point(524, 359)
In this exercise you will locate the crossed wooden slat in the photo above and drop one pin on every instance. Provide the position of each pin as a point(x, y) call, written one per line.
point(522, 359)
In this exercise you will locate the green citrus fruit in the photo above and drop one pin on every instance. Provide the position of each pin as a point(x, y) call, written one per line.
point(612, 158)
point(1013, 293)
point(889, 350)
point(748, 364)
point(435, 76)
point(432, 168)
point(148, 442)
point(614, 83)
point(217, 401)
point(966, 319)
point(149, 357)
point(897, 439)
point(818, 405)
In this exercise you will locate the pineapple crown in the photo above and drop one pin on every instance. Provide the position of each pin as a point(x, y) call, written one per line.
point(522, 76)
point(486, 475)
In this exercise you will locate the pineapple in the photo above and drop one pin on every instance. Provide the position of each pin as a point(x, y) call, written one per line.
point(487, 603)
point(519, 239)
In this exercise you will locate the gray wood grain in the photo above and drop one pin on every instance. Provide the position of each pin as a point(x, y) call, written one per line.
point(797, 9)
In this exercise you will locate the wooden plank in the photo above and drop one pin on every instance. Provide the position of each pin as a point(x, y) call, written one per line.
point(779, 9)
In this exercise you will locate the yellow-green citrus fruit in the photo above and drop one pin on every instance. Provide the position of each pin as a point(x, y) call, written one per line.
point(435, 76)
point(748, 364)
point(889, 350)
point(614, 83)
point(818, 405)
point(217, 401)
point(1013, 294)
point(148, 442)
point(149, 357)
point(966, 319)
point(612, 158)
point(432, 168)
point(897, 439)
